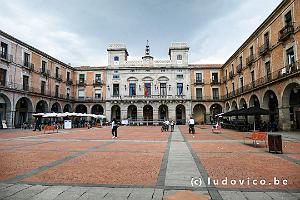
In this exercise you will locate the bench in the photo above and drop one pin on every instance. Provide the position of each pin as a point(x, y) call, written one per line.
point(216, 129)
point(257, 136)
point(49, 128)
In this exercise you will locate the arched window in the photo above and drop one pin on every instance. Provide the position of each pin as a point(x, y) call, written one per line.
point(179, 57)
point(116, 58)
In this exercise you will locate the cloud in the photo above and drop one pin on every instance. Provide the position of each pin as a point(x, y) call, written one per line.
point(78, 32)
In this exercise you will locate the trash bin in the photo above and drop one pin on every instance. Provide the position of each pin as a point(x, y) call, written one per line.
point(275, 143)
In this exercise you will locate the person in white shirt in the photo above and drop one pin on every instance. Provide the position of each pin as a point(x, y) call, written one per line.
point(191, 123)
point(114, 127)
point(172, 125)
point(167, 123)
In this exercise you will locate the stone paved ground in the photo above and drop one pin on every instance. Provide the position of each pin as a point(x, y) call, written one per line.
point(143, 163)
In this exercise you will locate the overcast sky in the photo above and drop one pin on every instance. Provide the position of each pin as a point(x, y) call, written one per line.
point(79, 31)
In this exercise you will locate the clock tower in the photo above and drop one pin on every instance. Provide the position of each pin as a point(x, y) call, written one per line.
point(147, 58)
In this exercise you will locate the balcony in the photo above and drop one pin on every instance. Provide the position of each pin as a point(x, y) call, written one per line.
point(216, 98)
point(28, 65)
point(264, 49)
point(225, 79)
point(97, 83)
point(239, 68)
point(69, 82)
point(199, 82)
point(44, 72)
point(58, 77)
point(215, 81)
point(143, 97)
point(231, 75)
point(207, 98)
point(6, 57)
point(250, 60)
point(285, 33)
point(81, 83)
point(88, 99)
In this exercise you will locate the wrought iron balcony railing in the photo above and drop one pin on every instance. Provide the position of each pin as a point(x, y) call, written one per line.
point(286, 32)
point(6, 57)
point(264, 49)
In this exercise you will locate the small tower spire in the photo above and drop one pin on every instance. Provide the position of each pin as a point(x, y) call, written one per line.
point(147, 50)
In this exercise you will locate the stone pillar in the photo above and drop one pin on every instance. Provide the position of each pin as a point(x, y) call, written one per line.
point(9, 119)
point(284, 118)
point(140, 112)
point(123, 112)
point(172, 113)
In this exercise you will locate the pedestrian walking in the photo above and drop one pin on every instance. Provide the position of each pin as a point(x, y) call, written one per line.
point(172, 125)
point(114, 128)
point(37, 124)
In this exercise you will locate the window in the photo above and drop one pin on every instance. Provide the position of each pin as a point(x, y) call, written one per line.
point(2, 77)
point(233, 89)
point(179, 57)
point(81, 78)
point(288, 18)
point(68, 76)
point(214, 77)
point(266, 38)
point(26, 83)
point(226, 91)
point(147, 89)
point(26, 59)
point(268, 70)
point(81, 94)
point(242, 84)
point(180, 76)
point(56, 90)
point(43, 87)
point(116, 58)
point(4, 50)
point(179, 88)
point(98, 78)
point(199, 93)
point(215, 92)
point(241, 60)
point(232, 69)
point(116, 76)
point(290, 56)
point(57, 72)
point(132, 89)
point(44, 66)
point(198, 77)
point(68, 93)
point(97, 94)
point(116, 90)
point(163, 89)
point(251, 51)
point(252, 77)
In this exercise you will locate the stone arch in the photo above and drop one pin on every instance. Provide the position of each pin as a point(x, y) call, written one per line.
point(81, 108)
point(5, 110)
point(227, 107)
point(56, 107)
point(132, 112)
point(116, 112)
point(234, 105)
point(41, 107)
point(163, 112)
point(148, 112)
point(270, 102)
point(180, 114)
point(291, 107)
point(199, 113)
point(67, 108)
point(24, 110)
point(97, 109)
point(243, 103)
point(254, 101)
point(214, 110)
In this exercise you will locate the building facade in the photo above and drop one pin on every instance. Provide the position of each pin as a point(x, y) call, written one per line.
point(263, 72)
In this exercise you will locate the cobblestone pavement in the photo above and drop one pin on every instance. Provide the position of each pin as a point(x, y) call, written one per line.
point(142, 163)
